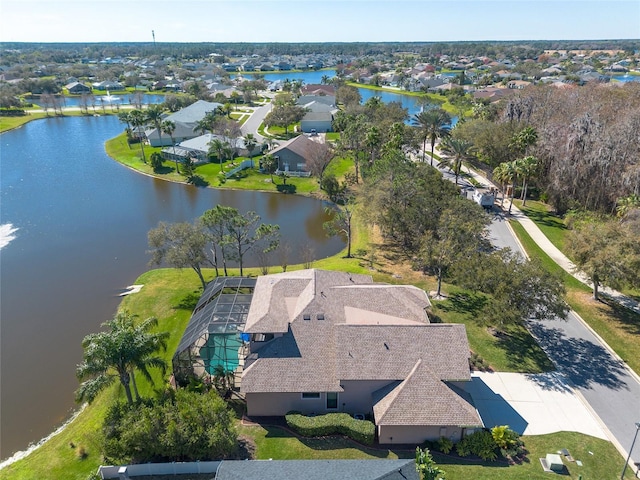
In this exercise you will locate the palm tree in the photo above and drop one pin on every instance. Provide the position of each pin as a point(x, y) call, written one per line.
point(250, 142)
point(138, 120)
point(437, 126)
point(117, 353)
point(324, 80)
point(125, 118)
point(524, 139)
point(169, 127)
point(202, 126)
point(502, 175)
point(457, 150)
point(154, 116)
point(507, 172)
point(372, 140)
point(420, 120)
point(527, 168)
point(217, 146)
point(270, 162)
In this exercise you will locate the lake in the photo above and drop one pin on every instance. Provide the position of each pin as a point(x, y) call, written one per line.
point(101, 98)
point(74, 227)
point(410, 102)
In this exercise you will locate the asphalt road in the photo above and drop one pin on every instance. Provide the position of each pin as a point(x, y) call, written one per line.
point(610, 389)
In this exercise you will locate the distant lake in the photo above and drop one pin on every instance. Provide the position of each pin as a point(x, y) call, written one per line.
point(74, 229)
point(626, 78)
point(100, 99)
point(315, 77)
point(309, 77)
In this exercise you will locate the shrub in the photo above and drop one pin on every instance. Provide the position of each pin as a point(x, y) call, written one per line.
point(445, 445)
point(186, 426)
point(362, 431)
point(81, 452)
point(508, 441)
point(479, 443)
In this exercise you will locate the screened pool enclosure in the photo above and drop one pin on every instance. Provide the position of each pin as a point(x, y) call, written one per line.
point(213, 340)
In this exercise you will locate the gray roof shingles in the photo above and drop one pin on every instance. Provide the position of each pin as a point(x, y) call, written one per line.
point(318, 470)
point(316, 355)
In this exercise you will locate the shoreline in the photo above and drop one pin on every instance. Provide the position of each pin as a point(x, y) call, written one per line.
point(22, 454)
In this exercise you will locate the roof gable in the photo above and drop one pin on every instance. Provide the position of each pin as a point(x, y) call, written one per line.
point(423, 399)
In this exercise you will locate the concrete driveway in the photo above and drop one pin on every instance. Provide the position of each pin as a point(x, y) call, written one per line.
point(531, 404)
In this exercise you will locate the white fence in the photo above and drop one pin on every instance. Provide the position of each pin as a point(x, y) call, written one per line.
point(175, 468)
point(293, 174)
point(242, 166)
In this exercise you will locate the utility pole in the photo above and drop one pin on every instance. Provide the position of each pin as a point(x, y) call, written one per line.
point(630, 450)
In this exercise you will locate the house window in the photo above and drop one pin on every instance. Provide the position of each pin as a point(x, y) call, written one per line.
point(332, 400)
point(310, 395)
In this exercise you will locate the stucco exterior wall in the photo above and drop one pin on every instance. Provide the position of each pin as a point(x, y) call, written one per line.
point(389, 434)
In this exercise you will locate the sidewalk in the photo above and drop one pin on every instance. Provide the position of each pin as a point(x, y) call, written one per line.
point(549, 248)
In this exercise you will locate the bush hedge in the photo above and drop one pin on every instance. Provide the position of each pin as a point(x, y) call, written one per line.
point(362, 431)
point(12, 112)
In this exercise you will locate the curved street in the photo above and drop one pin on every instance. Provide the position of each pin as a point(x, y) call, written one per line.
point(607, 386)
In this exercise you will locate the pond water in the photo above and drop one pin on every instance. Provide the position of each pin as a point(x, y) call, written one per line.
point(626, 78)
point(411, 103)
point(113, 99)
point(74, 229)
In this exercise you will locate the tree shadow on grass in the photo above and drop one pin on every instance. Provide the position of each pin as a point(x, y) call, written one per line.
point(189, 301)
point(583, 361)
point(467, 303)
point(522, 349)
point(198, 181)
point(629, 320)
point(544, 218)
point(164, 170)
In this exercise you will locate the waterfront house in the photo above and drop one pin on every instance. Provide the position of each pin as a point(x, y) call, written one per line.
point(328, 341)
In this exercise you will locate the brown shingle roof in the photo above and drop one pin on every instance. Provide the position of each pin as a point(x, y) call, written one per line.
point(421, 399)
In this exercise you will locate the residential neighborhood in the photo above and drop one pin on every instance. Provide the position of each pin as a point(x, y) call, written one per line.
point(346, 260)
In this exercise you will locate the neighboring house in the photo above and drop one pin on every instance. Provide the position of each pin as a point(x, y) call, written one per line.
point(78, 88)
point(293, 154)
point(318, 470)
point(185, 121)
point(329, 100)
point(518, 84)
point(317, 122)
point(320, 113)
point(108, 85)
point(318, 89)
point(328, 341)
point(198, 148)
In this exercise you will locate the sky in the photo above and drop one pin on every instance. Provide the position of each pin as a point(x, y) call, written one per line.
point(316, 21)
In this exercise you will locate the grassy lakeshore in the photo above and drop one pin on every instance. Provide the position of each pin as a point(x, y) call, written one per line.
point(168, 293)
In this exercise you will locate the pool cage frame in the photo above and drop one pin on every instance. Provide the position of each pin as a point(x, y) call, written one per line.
point(213, 342)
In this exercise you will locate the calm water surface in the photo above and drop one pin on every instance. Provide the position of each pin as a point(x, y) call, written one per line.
point(79, 222)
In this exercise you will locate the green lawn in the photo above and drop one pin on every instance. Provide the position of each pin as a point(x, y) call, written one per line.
point(604, 462)
point(551, 224)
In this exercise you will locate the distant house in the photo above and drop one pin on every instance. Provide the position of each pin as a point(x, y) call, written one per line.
point(329, 341)
point(292, 155)
point(320, 113)
point(197, 148)
point(518, 84)
point(108, 85)
point(77, 88)
point(318, 89)
point(185, 121)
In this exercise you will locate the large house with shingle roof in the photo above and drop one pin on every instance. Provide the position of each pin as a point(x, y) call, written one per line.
point(325, 341)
